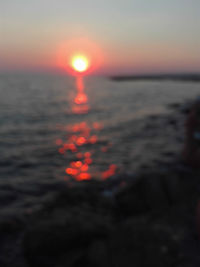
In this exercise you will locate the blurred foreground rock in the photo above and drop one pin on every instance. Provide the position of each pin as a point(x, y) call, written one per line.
point(144, 223)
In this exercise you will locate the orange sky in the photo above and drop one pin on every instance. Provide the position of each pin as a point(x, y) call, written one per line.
point(130, 36)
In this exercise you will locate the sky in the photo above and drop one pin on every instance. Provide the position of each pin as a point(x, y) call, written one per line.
point(131, 36)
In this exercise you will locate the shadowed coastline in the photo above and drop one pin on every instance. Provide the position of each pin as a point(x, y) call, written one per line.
point(151, 77)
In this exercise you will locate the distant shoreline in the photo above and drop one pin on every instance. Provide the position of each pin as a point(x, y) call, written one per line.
point(160, 77)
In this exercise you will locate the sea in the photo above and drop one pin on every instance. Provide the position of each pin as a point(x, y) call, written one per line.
point(56, 130)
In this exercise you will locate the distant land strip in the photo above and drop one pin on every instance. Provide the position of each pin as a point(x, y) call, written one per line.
point(173, 77)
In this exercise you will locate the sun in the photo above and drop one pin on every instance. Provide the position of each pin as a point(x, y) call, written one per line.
point(80, 63)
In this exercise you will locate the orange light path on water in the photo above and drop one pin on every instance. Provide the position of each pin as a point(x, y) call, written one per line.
point(81, 137)
point(80, 102)
point(79, 142)
point(82, 141)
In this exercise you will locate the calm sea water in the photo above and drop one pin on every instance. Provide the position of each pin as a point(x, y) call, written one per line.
point(38, 127)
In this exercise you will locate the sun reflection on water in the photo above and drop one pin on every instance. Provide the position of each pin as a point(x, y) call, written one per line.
point(82, 142)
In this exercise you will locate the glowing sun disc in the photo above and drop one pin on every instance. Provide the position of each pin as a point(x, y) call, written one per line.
point(80, 63)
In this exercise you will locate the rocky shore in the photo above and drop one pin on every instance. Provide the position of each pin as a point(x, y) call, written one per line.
point(145, 219)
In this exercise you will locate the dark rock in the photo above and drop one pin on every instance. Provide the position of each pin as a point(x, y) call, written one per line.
point(146, 229)
point(10, 226)
point(186, 109)
point(146, 195)
point(57, 235)
point(169, 154)
point(152, 191)
point(141, 243)
point(46, 244)
point(132, 200)
point(98, 254)
point(173, 121)
point(7, 197)
point(155, 195)
point(174, 105)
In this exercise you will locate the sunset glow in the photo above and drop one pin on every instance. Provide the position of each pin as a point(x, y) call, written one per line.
point(79, 56)
point(80, 63)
